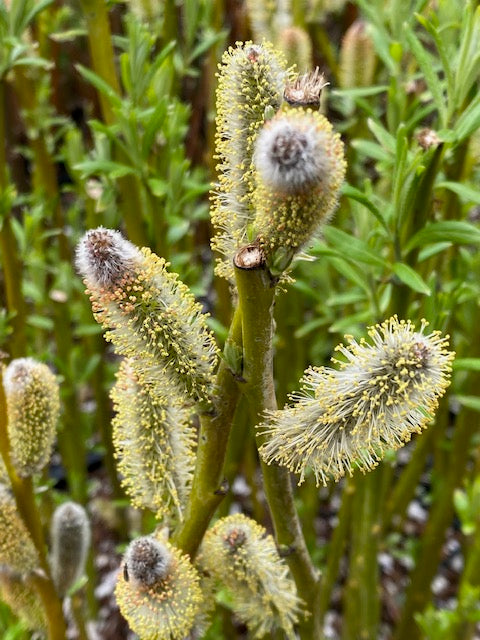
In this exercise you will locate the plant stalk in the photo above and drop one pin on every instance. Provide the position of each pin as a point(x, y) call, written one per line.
point(256, 292)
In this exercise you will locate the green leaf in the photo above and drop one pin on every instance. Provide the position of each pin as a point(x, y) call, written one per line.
point(99, 83)
point(467, 194)
point(40, 322)
point(426, 62)
point(106, 167)
point(359, 196)
point(470, 402)
point(467, 364)
point(411, 278)
point(455, 231)
point(382, 135)
point(352, 248)
point(361, 92)
point(469, 121)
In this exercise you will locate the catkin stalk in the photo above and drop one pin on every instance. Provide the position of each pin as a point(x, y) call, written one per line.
point(256, 293)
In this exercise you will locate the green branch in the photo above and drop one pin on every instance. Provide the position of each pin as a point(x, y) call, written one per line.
point(256, 292)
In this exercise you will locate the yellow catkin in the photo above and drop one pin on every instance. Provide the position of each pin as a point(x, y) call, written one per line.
point(238, 552)
point(385, 390)
point(22, 599)
point(17, 550)
point(33, 406)
point(161, 602)
point(251, 82)
point(357, 57)
point(154, 442)
point(300, 167)
point(295, 44)
point(151, 315)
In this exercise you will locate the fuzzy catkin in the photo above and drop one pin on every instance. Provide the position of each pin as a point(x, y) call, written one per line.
point(238, 552)
point(357, 57)
point(151, 315)
point(300, 167)
point(70, 539)
point(33, 407)
point(158, 590)
point(17, 550)
point(251, 81)
point(383, 391)
point(154, 442)
point(22, 599)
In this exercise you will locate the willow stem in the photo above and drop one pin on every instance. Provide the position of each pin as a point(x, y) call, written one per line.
point(256, 292)
point(209, 486)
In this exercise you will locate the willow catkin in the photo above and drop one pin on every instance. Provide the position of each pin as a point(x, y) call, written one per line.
point(250, 83)
point(152, 317)
point(300, 167)
point(17, 549)
point(70, 539)
point(384, 390)
point(238, 552)
point(158, 590)
point(33, 406)
point(154, 442)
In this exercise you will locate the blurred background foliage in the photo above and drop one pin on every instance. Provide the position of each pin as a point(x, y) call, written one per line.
point(107, 118)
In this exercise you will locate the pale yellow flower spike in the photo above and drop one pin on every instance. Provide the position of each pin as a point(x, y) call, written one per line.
point(383, 391)
point(154, 442)
point(251, 81)
point(238, 552)
point(158, 590)
point(152, 316)
point(33, 407)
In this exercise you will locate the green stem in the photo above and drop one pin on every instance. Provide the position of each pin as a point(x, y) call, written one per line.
point(418, 594)
point(336, 547)
point(208, 487)
point(256, 295)
point(362, 598)
point(12, 267)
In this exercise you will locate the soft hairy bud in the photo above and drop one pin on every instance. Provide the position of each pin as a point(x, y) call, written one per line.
point(33, 406)
point(22, 599)
point(347, 418)
point(70, 539)
point(158, 591)
point(357, 57)
point(104, 257)
point(238, 552)
point(17, 550)
point(154, 442)
point(300, 167)
point(152, 316)
point(251, 82)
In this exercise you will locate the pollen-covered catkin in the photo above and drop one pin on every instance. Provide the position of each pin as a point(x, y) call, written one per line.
point(383, 391)
point(17, 550)
point(70, 539)
point(154, 442)
point(152, 316)
point(238, 552)
point(300, 167)
point(33, 406)
point(22, 599)
point(357, 57)
point(251, 81)
point(158, 590)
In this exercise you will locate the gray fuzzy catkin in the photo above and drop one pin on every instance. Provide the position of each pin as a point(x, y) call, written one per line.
point(70, 539)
